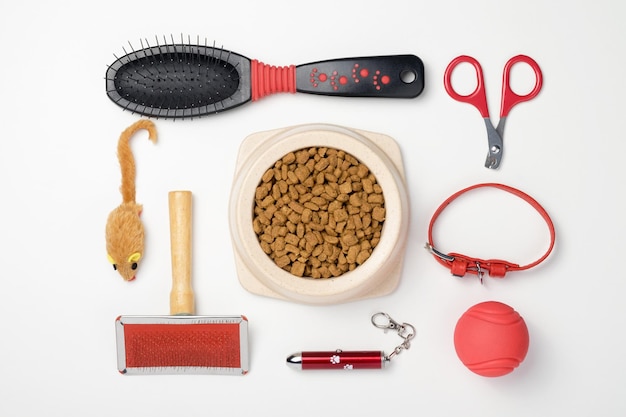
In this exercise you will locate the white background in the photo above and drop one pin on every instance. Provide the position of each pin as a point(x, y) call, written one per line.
point(59, 177)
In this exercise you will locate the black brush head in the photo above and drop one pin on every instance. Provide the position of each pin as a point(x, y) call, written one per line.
point(179, 80)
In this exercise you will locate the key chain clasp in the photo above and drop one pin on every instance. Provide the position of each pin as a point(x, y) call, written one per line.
point(384, 321)
point(405, 330)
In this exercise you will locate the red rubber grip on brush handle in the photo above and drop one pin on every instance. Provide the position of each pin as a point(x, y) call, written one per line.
point(269, 79)
point(181, 296)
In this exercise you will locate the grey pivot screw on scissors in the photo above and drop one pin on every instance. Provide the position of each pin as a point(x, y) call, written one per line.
point(478, 99)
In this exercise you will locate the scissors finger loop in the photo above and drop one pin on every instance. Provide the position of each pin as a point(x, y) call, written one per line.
point(509, 97)
point(478, 97)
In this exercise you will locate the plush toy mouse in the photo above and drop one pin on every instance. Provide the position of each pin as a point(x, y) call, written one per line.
point(124, 229)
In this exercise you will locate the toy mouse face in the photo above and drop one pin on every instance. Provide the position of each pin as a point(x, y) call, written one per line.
point(126, 268)
point(125, 237)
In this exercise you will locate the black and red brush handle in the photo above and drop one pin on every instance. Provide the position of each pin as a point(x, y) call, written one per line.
point(391, 76)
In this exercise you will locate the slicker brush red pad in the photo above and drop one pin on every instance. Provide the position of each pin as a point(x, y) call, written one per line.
point(182, 344)
point(178, 345)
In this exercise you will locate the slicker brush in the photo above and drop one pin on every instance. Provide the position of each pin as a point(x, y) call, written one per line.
point(182, 343)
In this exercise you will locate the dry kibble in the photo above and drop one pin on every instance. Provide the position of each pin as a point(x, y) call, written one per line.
point(292, 239)
point(375, 198)
point(353, 251)
point(318, 212)
point(362, 257)
point(282, 261)
point(292, 249)
point(290, 158)
point(340, 215)
point(270, 210)
point(307, 215)
point(267, 177)
point(266, 247)
point(280, 218)
point(311, 206)
point(378, 214)
point(349, 239)
point(298, 268)
point(266, 202)
point(279, 243)
point(368, 185)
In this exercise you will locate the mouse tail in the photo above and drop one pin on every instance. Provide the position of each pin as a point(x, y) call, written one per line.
point(127, 161)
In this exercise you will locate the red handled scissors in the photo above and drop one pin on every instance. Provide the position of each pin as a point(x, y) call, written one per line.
point(478, 99)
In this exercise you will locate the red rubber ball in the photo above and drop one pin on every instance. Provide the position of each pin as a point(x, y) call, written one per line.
point(491, 339)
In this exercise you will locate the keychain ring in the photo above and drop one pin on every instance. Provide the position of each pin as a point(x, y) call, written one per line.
point(459, 264)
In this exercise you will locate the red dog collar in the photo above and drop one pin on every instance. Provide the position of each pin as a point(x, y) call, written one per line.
point(460, 264)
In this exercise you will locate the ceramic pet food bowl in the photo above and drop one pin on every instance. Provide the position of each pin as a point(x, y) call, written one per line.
point(279, 223)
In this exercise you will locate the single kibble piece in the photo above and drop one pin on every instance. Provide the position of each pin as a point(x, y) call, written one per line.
point(318, 212)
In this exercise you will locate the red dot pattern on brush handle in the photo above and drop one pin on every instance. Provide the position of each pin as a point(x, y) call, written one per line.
point(270, 79)
point(358, 75)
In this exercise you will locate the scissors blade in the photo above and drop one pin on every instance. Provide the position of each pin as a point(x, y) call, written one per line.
point(494, 140)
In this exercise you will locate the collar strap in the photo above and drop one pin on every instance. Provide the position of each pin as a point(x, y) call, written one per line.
point(459, 264)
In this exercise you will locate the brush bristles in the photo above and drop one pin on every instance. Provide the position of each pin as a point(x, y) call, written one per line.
point(178, 80)
point(195, 345)
point(180, 344)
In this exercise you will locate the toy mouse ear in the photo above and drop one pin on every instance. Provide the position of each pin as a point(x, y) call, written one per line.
point(134, 257)
point(110, 258)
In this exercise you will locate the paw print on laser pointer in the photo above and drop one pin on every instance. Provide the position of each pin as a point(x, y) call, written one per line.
point(348, 367)
point(335, 359)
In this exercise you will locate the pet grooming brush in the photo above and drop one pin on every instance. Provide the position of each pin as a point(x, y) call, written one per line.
point(178, 80)
point(182, 343)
